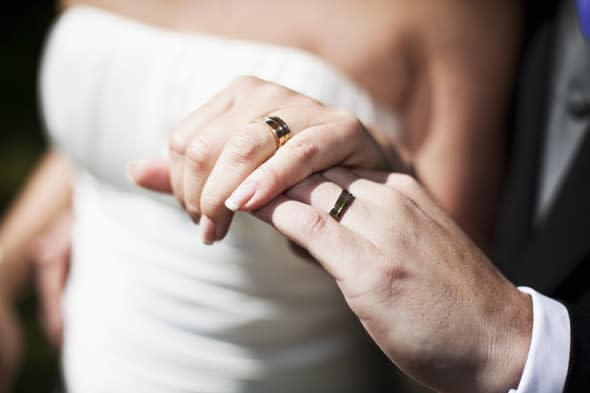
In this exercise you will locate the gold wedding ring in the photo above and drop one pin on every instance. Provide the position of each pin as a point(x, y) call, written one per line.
point(279, 129)
point(342, 203)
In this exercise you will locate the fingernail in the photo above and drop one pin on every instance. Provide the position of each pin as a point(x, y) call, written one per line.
point(240, 196)
point(132, 170)
point(208, 230)
point(196, 219)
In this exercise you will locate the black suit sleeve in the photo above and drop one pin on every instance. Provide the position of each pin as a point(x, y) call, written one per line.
point(578, 378)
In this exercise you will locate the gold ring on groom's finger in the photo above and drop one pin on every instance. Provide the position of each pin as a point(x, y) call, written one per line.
point(279, 129)
point(342, 203)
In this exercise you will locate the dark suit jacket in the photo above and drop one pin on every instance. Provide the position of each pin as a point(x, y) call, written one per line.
point(552, 256)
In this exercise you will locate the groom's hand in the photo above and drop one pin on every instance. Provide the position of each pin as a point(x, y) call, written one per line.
point(427, 295)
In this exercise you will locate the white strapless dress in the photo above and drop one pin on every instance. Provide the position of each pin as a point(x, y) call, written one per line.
point(148, 307)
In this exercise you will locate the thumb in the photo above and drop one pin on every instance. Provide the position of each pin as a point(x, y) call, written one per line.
point(151, 174)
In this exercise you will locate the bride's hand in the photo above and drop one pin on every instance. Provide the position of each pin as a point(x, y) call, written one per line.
point(223, 158)
point(51, 259)
point(426, 294)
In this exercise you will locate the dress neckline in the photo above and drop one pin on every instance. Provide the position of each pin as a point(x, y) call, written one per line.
point(257, 45)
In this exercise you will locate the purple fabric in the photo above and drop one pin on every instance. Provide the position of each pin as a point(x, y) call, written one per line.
point(584, 14)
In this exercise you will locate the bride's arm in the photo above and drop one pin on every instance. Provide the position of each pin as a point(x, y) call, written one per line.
point(44, 197)
point(461, 56)
point(456, 103)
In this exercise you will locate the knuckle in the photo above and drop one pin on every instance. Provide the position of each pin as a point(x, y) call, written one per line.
point(197, 154)
point(228, 105)
point(348, 120)
point(347, 117)
point(222, 102)
point(301, 151)
point(349, 127)
point(402, 182)
point(406, 211)
point(245, 81)
point(178, 142)
point(314, 222)
point(397, 202)
point(274, 93)
point(244, 147)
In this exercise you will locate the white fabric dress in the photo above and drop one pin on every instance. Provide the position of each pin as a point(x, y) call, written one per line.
point(148, 307)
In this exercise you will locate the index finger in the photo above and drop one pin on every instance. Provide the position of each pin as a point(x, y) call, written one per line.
point(247, 149)
point(339, 250)
point(340, 139)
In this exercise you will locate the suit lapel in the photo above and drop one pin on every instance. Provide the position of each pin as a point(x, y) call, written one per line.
point(517, 211)
point(562, 240)
point(564, 237)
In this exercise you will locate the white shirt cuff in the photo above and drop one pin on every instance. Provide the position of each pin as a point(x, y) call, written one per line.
point(546, 366)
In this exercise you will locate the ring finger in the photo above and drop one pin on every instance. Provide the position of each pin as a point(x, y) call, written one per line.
point(319, 192)
point(246, 149)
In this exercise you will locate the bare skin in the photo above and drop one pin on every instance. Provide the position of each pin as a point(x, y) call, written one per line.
point(24, 224)
point(445, 67)
point(449, 81)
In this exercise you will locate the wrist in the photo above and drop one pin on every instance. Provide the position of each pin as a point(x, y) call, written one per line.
point(509, 344)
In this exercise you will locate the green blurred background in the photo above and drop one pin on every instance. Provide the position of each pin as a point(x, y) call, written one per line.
point(22, 31)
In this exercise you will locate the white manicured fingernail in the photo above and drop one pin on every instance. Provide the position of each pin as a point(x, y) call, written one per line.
point(240, 196)
point(208, 230)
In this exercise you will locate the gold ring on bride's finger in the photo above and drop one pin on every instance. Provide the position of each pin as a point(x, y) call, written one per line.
point(279, 129)
point(342, 203)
